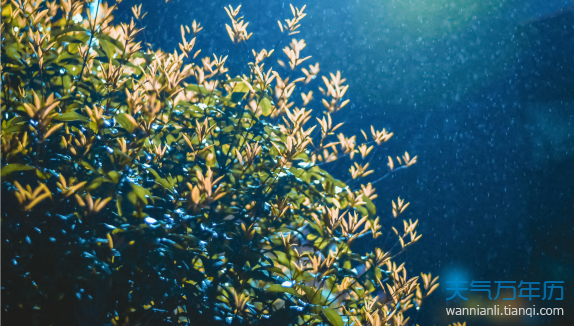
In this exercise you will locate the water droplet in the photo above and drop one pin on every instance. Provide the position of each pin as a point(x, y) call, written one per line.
point(287, 284)
point(150, 220)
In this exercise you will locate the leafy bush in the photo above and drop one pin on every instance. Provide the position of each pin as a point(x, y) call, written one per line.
point(148, 188)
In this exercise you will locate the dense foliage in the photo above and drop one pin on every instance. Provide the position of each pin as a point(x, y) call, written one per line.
point(149, 188)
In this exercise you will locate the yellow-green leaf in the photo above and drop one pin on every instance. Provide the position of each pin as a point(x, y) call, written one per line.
point(266, 106)
point(15, 167)
point(126, 122)
point(333, 316)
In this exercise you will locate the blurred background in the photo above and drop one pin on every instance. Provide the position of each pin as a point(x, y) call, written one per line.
point(481, 91)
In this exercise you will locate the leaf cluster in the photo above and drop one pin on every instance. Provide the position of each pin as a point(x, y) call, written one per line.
point(151, 188)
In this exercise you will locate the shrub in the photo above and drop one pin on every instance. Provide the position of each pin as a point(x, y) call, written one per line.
point(148, 188)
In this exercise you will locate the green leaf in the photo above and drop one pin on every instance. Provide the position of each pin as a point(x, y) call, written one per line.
point(126, 63)
point(170, 139)
point(6, 11)
point(311, 236)
point(197, 89)
point(119, 205)
point(314, 296)
point(370, 206)
point(138, 192)
point(275, 270)
point(316, 227)
point(333, 316)
point(12, 51)
point(114, 176)
point(69, 61)
point(73, 28)
point(88, 166)
point(108, 48)
point(321, 244)
point(126, 123)
point(282, 258)
point(69, 39)
point(363, 210)
point(347, 264)
point(282, 289)
point(109, 39)
point(71, 116)
point(42, 175)
point(239, 92)
point(211, 158)
point(15, 167)
point(236, 79)
point(67, 82)
point(228, 129)
point(241, 88)
point(266, 106)
point(163, 182)
point(96, 183)
point(236, 97)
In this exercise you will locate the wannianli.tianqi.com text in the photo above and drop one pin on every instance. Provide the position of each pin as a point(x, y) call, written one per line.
point(497, 310)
